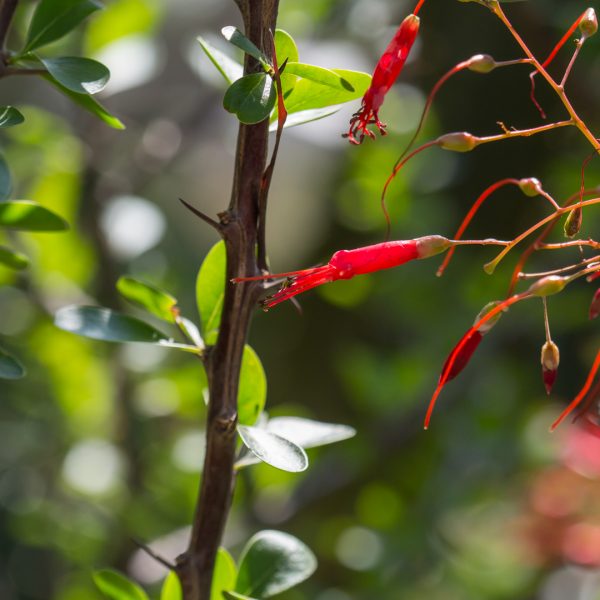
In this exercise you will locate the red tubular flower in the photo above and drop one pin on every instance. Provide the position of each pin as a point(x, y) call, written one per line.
point(387, 70)
point(345, 264)
point(595, 305)
point(550, 360)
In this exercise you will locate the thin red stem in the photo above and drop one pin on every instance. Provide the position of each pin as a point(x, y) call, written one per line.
point(418, 7)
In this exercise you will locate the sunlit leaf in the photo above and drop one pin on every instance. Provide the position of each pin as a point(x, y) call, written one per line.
point(319, 75)
point(237, 38)
point(285, 47)
point(116, 586)
point(304, 116)
point(152, 299)
point(88, 103)
point(308, 433)
point(12, 259)
point(224, 575)
point(10, 367)
point(192, 332)
point(52, 19)
point(273, 562)
point(210, 288)
point(80, 75)
point(10, 116)
point(171, 588)
point(251, 98)
point(28, 215)
point(274, 450)
point(252, 392)
point(230, 69)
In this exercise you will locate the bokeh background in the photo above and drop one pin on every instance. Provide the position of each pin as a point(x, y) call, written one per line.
point(101, 444)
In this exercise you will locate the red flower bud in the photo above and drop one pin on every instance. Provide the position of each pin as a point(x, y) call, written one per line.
point(550, 359)
point(595, 305)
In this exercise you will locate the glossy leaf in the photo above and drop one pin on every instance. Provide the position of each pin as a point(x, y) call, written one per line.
point(80, 75)
point(234, 36)
point(252, 392)
point(319, 75)
point(274, 450)
point(171, 587)
point(10, 367)
point(5, 179)
point(210, 288)
point(273, 562)
point(304, 116)
point(28, 215)
point(251, 98)
point(285, 47)
point(116, 586)
point(192, 332)
point(104, 324)
point(308, 433)
point(10, 116)
point(230, 69)
point(88, 103)
point(224, 575)
point(150, 298)
point(52, 19)
point(12, 259)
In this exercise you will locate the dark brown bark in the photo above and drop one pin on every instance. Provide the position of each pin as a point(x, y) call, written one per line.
point(239, 226)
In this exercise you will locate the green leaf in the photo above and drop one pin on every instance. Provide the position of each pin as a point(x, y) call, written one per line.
point(116, 586)
point(210, 288)
point(319, 75)
point(104, 324)
point(305, 116)
point(285, 47)
point(237, 38)
point(272, 562)
point(171, 588)
point(308, 95)
point(229, 68)
point(252, 391)
point(251, 98)
point(5, 179)
point(308, 433)
point(192, 332)
point(10, 116)
point(10, 367)
point(235, 596)
point(12, 259)
point(53, 19)
point(150, 298)
point(274, 450)
point(80, 75)
point(88, 103)
point(224, 575)
point(28, 215)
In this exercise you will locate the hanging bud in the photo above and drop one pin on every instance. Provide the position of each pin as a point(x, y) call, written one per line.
point(548, 286)
point(595, 305)
point(459, 141)
point(482, 63)
point(531, 186)
point(550, 360)
point(430, 245)
point(484, 311)
point(589, 23)
point(573, 222)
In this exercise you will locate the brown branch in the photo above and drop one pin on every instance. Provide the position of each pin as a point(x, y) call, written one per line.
point(239, 225)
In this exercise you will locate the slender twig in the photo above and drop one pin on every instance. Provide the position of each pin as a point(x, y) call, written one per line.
point(214, 224)
point(578, 47)
point(163, 561)
point(511, 133)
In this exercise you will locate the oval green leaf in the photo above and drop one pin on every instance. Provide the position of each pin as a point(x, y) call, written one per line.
point(5, 179)
point(10, 116)
point(210, 288)
point(150, 298)
point(224, 575)
point(28, 215)
point(104, 324)
point(251, 98)
point(252, 391)
point(13, 260)
point(308, 433)
point(229, 68)
point(319, 75)
point(274, 450)
point(53, 19)
point(116, 586)
point(191, 331)
point(10, 367)
point(80, 75)
point(272, 562)
point(171, 588)
point(234, 36)
point(285, 47)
